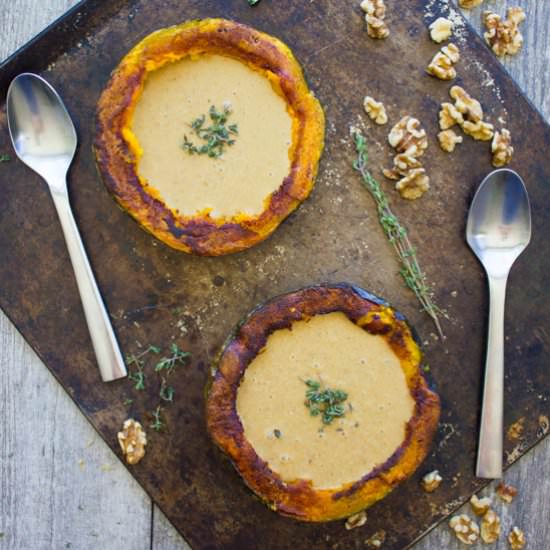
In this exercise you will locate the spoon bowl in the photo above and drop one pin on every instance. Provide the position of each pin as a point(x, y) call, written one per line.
point(42, 132)
point(44, 138)
point(498, 230)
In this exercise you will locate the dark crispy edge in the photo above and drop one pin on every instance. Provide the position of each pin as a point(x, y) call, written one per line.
point(299, 499)
point(116, 158)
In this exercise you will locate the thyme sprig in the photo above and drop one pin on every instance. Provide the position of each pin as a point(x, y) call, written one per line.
point(325, 402)
point(158, 422)
point(214, 137)
point(5, 157)
point(138, 376)
point(177, 357)
point(397, 235)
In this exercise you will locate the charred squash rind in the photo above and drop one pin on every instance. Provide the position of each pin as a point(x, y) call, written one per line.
point(117, 149)
point(299, 499)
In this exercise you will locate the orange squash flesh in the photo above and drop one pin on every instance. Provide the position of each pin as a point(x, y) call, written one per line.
point(118, 151)
point(299, 499)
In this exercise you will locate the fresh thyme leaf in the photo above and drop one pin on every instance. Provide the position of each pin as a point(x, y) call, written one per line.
point(397, 235)
point(253, 2)
point(214, 137)
point(277, 433)
point(158, 423)
point(169, 363)
point(166, 392)
point(128, 402)
point(138, 376)
point(5, 158)
point(325, 402)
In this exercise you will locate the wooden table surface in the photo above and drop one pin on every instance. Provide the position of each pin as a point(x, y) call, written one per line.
point(61, 487)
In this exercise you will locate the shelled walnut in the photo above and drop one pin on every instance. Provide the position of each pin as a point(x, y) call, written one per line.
point(506, 493)
point(504, 37)
point(375, 110)
point(132, 440)
point(501, 147)
point(441, 29)
point(357, 520)
point(375, 12)
point(376, 540)
point(516, 539)
point(414, 184)
point(465, 529)
point(480, 506)
point(402, 165)
point(469, 4)
point(408, 137)
point(480, 130)
point(449, 115)
point(448, 140)
point(469, 107)
point(431, 481)
point(442, 65)
point(490, 527)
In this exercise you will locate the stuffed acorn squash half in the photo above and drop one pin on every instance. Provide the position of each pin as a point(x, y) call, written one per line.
point(319, 401)
point(208, 135)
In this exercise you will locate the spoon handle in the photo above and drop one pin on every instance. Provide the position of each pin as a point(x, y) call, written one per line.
point(489, 456)
point(109, 358)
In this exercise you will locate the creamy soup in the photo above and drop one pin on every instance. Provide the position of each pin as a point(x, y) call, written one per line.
point(248, 172)
point(339, 354)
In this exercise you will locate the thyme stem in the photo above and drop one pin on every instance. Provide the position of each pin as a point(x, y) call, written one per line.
point(397, 235)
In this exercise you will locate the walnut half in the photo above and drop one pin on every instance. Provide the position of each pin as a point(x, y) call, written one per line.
point(516, 539)
point(501, 148)
point(449, 115)
point(469, 4)
point(132, 440)
point(504, 37)
point(480, 506)
point(357, 520)
point(506, 493)
point(448, 140)
point(431, 481)
point(442, 65)
point(441, 29)
point(466, 104)
point(375, 13)
point(408, 137)
point(375, 110)
point(414, 184)
point(465, 529)
point(490, 527)
point(480, 130)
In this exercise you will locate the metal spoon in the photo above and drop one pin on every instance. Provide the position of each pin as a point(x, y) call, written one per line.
point(498, 230)
point(44, 138)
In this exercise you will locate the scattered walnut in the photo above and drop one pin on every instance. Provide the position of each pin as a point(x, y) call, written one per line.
point(442, 65)
point(375, 110)
point(465, 104)
point(480, 506)
point(376, 540)
point(402, 165)
point(469, 4)
point(449, 115)
point(502, 150)
point(465, 529)
point(408, 137)
point(481, 131)
point(506, 493)
point(490, 527)
point(441, 29)
point(448, 140)
point(132, 440)
point(516, 539)
point(504, 37)
point(414, 184)
point(375, 12)
point(430, 482)
point(357, 520)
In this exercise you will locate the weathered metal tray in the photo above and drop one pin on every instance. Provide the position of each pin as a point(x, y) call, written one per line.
point(157, 296)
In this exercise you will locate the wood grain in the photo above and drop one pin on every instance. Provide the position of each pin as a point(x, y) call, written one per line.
point(28, 392)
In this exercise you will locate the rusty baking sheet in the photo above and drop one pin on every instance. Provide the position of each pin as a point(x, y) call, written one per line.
point(157, 296)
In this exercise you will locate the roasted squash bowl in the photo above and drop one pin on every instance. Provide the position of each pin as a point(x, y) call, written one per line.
point(118, 151)
point(300, 498)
